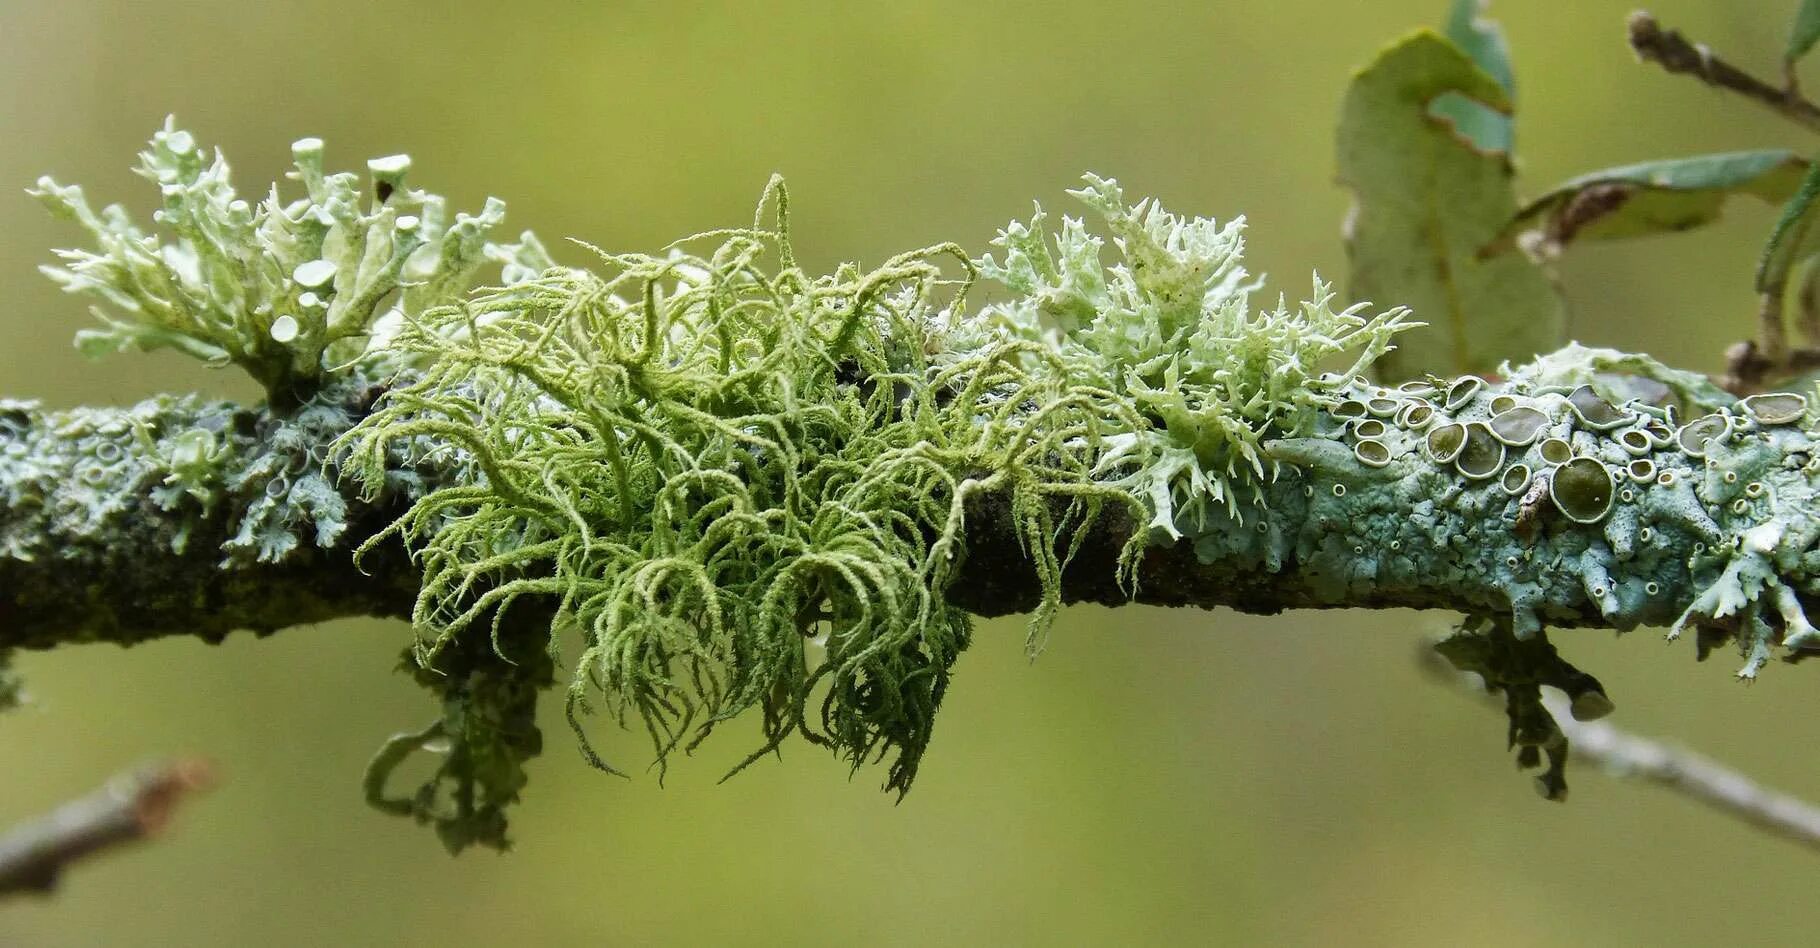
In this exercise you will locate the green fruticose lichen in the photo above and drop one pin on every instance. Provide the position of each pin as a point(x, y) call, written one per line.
point(1171, 332)
point(746, 486)
point(741, 485)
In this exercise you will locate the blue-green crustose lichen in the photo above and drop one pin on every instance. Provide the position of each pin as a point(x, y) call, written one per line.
point(742, 485)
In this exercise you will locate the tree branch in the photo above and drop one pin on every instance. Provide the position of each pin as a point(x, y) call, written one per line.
point(1672, 51)
point(1624, 755)
point(184, 517)
point(101, 539)
point(130, 807)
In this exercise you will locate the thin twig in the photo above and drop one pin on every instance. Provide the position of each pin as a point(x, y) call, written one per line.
point(1673, 52)
point(132, 806)
point(1622, 754)
point(1707, 781)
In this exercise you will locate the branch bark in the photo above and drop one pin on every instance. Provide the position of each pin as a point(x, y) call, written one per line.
point(1626, 756)
point(185, 517)
point(105, 537)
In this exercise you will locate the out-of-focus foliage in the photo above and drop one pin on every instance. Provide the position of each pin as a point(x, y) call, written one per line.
point(1793, 238)
point(1427, 202)
point(1654, 197)
point(1803, 33)
point(1482, 39)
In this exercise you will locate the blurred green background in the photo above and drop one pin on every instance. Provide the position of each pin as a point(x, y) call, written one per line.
point(1157, 776)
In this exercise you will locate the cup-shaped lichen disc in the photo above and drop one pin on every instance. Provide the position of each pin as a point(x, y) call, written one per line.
point(1776, 408)
point(1635, 441)
point(1482, 455)
point(1445, 442)
point(1518, 426)
point(1463, 390)
point(1694, 436)
point(1516, 478)
point(1595, 412)
point(1415, 416)
point(1371, 453)
point(1582, 490)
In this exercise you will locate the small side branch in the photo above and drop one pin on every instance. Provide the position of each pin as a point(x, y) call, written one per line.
point(1707, 781)
point(132, 806)
point(1625, 755)
point(1673, 52)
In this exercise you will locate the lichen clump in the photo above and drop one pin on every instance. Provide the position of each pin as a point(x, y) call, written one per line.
point(747, 486)
point(1170, 330)
point(743, 485)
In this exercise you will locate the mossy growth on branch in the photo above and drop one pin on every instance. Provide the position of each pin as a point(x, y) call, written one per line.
point(746, 485)
point(740, 484)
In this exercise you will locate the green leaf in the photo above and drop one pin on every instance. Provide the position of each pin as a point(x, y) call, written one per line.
point(1482, 39)
point(1804, 33)
point(1654, 197)
point(1425, 202)
point(1794, 236)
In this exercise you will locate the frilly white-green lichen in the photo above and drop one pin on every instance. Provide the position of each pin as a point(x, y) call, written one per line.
point(1171, 333)
point(743, 485)
point(287, 290)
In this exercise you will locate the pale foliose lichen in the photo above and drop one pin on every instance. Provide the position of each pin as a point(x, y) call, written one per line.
point(1552, 484)
point(1547, 493)
point(285, 289)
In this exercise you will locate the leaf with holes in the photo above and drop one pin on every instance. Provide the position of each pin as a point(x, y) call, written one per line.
point(1426, 200)
point(1479, 37)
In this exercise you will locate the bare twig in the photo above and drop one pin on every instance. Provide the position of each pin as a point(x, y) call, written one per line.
point(1707, 781)
point(1673, 52)
point(132, 806)
point(1622, 754)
